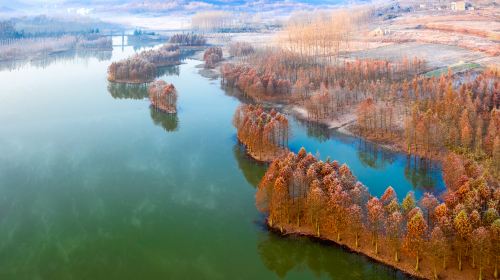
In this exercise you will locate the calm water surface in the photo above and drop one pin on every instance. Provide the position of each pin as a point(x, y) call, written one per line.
point(95, 185)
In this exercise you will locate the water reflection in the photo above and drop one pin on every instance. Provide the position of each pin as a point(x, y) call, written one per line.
point(49, 59)
point(252, 170)
point(168, 71)
point(373, 155)
point(284, 255)
point(315, 130)
point(169, 122)
point(128, 91)
point(238, 94)
point(418, 171)
point(374, 165)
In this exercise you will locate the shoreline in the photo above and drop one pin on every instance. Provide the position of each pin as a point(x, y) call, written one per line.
point(264, 158)
point(156, 108)
point(345, 124)
point(41, 55)
point(405, 264)
point(130, 82)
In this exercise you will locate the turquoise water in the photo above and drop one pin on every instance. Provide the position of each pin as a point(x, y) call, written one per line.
point(96, 185)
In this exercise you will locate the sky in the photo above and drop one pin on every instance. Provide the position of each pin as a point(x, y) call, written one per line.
point(160, 14)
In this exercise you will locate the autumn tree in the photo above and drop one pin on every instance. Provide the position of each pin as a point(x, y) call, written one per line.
point(480, 247)
point(415, 236)
point(438, 249)
point(463, 230)
point(316, 203)
point(375, 217)
point(394, 228)
point(356, 222)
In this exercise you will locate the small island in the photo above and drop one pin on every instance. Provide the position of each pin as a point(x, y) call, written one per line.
point(143, 67)
point(265, 135)
point(163, 97)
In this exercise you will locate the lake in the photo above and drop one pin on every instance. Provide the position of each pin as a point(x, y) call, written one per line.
point(96, 185)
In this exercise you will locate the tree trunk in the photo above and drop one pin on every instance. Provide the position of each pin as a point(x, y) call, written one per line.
point(435, 272)
point(396, 257)
point(473, 260)
point(416, 266)
point(496, 268)
point(460, 260)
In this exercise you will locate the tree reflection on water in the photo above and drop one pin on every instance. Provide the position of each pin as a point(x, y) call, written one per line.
point(286, 255)
point(169, 122)
point(252, 170)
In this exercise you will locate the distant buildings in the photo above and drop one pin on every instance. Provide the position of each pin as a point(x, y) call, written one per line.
point(379, 32)
point(457, 6)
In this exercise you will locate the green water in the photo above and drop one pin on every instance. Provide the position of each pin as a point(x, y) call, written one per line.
point(96, 185)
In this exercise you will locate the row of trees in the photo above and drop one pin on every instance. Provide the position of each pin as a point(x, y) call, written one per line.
point(33, 47)
point(237, 49)
point(94, 42)
point(322, 35)
point(212, 56)
point(188, 39)
point(143, 67)
point(300, 193)
point(264, 134)
point(212, 21)
point(163, 96)
point(166, 55)
point(8, 31)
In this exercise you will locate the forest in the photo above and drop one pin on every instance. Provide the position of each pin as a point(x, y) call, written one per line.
point(144, 67)
point(390, 101)
point(265, 134)
point(301, 194)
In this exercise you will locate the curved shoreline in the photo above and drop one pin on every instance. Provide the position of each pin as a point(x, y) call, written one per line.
point(331, 242)
point(260, 159)
point(405, 264)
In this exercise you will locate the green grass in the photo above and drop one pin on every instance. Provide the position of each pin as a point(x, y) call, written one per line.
point(455, 68)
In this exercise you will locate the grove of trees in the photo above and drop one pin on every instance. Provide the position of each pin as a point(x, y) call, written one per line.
point(322, 35)
point(301, 194)
point(163, 96)
point(143, 67)
point(212, 56)
point(188, 39)
point(265, 134)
